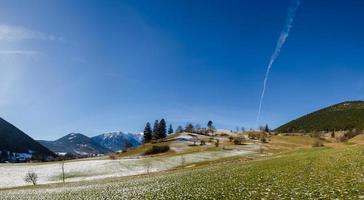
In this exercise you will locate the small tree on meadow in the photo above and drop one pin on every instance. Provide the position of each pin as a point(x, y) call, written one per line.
point(210, 127)
point(148, 133)
point(31, 177)
point(266, 128)
point(170, 129)
point(194, 140)
point(179, 129)
point(217, 143)
point(198, 128)
point(189, 128)
point(63, 174)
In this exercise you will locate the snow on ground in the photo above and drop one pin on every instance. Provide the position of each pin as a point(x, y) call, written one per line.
point(12, 175)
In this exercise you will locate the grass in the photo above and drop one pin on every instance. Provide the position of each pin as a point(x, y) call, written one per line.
point(315, 173)
point(69, 175)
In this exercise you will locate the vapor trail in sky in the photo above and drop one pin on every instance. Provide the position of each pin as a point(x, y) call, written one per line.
point(281, 40)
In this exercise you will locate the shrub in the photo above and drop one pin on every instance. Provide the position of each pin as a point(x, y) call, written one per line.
point(157, 149)
point(263, 140)
point(317, 143)
point(343, 138)
point(202, 142)
point(239, 141)
point(217, 143)
point(112, 157)
point(254, 135)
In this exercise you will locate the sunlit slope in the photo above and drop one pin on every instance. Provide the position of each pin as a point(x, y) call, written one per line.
point(343, 116)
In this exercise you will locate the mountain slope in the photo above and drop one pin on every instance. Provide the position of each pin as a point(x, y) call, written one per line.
point(75, 143)
point(117, 140)
point(343, 116)
point(14, 140)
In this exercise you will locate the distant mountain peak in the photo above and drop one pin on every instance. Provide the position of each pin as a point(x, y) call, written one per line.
point(76, 143)
point(117, 140)
point(112, 134)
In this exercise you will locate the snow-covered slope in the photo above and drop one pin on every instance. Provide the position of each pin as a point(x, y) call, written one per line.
point(117, 141)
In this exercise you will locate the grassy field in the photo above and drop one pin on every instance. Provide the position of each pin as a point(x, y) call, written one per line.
point(315, 173)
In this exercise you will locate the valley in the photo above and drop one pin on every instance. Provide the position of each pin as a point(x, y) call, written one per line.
point(297, 171)
point(200, 163)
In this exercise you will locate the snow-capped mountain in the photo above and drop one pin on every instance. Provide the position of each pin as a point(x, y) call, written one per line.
point(75, 143)
point(117, 141)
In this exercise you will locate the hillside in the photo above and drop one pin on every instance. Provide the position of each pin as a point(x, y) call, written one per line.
point(14, 140)
point(75, 143)
point(343, 116)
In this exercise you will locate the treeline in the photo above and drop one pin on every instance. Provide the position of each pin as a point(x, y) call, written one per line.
point(159, 131)
point(197, 128)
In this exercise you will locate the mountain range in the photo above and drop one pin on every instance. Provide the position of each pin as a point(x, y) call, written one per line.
point(116, 141)
point(77, 143)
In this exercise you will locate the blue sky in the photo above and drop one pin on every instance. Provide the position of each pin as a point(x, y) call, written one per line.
point(100, 66)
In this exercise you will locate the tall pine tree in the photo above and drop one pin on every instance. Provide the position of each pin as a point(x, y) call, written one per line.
point(155, 133)
point(170, 129)
point(162, 130)
point(148, 133)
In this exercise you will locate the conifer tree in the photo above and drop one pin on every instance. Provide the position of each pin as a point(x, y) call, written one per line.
point(155, 134)
point(266, 128)
point(170, 129)
point(148, 133)
point(210, 127)
point(162, 130)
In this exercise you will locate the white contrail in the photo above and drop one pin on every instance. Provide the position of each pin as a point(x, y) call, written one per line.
point(281, 40)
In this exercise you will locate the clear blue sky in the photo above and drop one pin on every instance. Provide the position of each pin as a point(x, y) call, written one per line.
point(99, 66)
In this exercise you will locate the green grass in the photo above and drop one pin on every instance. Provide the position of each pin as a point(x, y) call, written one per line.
point(316, 173)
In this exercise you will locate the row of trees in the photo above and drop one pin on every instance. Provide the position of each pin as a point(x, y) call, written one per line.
point(159, 131)
point(190, 128)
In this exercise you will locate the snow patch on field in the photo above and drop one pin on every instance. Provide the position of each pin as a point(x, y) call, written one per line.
point(13, 174)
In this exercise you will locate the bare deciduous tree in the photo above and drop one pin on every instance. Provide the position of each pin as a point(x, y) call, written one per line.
point(147, 166)
point(63, 175)
point(31, 177)
point(183, 160)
